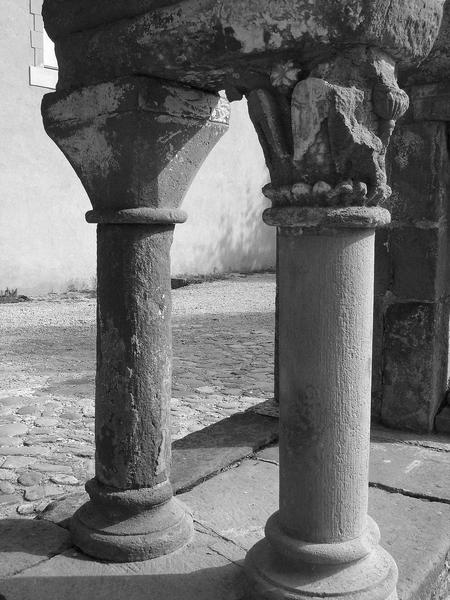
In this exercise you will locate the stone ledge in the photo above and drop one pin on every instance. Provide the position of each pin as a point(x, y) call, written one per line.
point(230, 511)
point(196, 457)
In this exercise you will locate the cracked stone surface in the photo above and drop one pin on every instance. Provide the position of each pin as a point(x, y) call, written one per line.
point(418, 472)
point(28, 543)
point(201, 570)
point(416, 531)
point(223, 364)
point(399, 466)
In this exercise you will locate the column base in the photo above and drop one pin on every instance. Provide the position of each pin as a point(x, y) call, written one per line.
point(271, 577)
point(126, 532)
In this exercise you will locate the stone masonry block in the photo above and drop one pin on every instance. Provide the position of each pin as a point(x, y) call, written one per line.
point(204, 45)
point(383, 264)
point(418, 261)
point(415, 364)
point(417, 164)
point(431, 102)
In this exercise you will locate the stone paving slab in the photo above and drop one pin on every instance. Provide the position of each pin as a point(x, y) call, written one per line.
point(413, 470)
point(414, 531)
point(417, 470)
point(237, 516)
point(417, 534)
point(200, 570)
point(436, 441)
point(25, 543)
point(197, 456)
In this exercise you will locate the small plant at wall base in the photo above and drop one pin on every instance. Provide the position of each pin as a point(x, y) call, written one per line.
point(10, 296)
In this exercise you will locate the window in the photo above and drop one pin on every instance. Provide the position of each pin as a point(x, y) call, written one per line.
point(44, 71)
point(50, 61)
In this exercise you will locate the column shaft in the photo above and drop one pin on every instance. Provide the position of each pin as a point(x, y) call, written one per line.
point(133, 355)
point(132, 514)
point(325, 329)
point(321, 543)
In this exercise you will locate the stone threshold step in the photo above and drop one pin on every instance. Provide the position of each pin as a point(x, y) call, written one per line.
point(399, 461)
point(198, 456)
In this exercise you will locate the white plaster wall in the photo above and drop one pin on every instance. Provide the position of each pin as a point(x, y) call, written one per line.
point(45, 243)
point(225, 231)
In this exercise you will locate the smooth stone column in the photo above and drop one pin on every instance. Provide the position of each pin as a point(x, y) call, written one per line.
point(321, 543)
point(132, 514)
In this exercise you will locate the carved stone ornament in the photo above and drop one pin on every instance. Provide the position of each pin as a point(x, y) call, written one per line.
point(284, 75)
point(325, 144)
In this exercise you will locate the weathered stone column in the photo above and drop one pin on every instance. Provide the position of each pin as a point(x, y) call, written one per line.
point(135, 144)
point(328, 178)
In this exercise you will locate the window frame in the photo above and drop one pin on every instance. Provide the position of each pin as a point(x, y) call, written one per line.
point(40, 74)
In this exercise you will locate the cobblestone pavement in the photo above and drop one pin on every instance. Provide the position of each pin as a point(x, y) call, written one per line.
point(223, 363)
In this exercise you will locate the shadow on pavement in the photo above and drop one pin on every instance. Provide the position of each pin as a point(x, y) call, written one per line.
point(37, 563)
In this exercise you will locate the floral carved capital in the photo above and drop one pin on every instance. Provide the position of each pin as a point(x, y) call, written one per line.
point(325, 137)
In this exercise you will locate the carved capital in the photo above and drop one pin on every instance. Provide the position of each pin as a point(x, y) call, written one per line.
point(325, 136)
point(135, 143)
